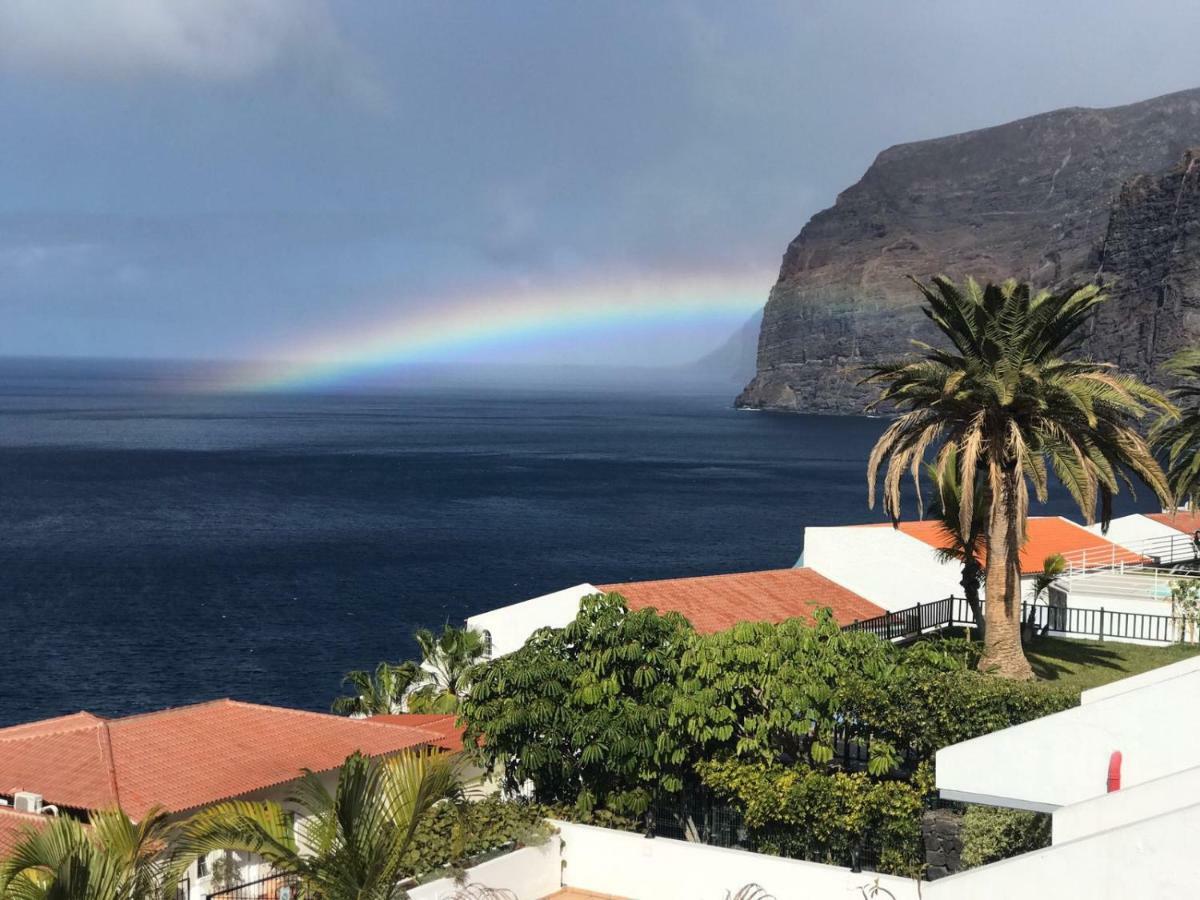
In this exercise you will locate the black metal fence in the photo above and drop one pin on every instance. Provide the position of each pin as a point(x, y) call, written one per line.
point(696, 815)
point(1053, 619)
point(909, 623)
point(281, 886)
point(1109, 623)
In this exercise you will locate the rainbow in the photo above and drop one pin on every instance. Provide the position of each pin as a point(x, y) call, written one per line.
point(455, 327)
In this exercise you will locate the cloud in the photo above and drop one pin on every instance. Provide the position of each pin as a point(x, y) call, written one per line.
point(208, 39)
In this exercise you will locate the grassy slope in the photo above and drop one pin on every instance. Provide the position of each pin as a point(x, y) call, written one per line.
point(1079, 665)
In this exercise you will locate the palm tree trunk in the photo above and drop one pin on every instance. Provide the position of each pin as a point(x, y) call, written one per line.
point(1002, 652)
point(972, 573)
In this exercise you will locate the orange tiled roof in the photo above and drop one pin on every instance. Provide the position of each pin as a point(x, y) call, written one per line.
point(185, 757)
point(1047, 535)
point(1187, 521)
point(14, 825)
point(717, 602)
point(450, 734)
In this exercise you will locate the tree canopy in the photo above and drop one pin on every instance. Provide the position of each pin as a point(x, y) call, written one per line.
point(582, 711)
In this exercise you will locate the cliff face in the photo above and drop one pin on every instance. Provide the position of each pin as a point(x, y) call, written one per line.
point(1150, 265)
point(1033, 199)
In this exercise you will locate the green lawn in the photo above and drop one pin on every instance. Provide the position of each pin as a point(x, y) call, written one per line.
point(1079, 665)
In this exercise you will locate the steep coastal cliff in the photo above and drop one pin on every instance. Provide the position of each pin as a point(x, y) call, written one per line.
point(1150, 265)
point(1063, 196)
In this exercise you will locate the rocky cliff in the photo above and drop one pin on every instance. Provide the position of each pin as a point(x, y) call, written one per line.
point(1150, 266)
point(1066, 195)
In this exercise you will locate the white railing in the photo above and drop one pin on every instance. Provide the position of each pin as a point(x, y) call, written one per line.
point(1159, 551)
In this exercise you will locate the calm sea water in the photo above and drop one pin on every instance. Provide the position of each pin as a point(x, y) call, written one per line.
point(159, 548)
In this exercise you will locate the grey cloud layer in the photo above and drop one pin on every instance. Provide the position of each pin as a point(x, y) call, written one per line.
point(217, 172)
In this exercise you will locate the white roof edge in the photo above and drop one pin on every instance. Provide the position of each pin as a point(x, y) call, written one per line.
point(1140, 681)
point(582, 590)
point(989, 800)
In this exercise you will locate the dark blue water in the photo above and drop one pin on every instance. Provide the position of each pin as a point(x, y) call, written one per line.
point(158, 548)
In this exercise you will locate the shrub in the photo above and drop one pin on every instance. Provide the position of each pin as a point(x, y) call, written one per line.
point(805, 813)
point(925, 711)
point(991, 834)
point(448, 835)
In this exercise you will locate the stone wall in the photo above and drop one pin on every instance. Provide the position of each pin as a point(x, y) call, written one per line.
point(941, 829)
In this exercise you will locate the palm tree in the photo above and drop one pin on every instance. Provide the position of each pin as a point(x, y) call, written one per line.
point(962, 539)
point(1005, 398)
point(348, 845)
point(1053, 567)
point(450, 661)
point(378, 693)
point(110, 858)
point(1180, 436)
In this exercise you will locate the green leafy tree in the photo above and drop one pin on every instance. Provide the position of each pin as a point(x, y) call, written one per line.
point(111, 858)
point(347, 845)
point(581, 712)
point(962, 538)
point(1007, 399)
point(773, 692)
point(450, 661)
point(378, 693)
point(1179, 436)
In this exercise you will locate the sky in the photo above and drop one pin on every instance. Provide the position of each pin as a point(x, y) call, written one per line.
point(358, 184)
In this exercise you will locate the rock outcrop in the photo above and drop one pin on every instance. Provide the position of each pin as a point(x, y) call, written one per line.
point(1059, 197)
point(1150, 265)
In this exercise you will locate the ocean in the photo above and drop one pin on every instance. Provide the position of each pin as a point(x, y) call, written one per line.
point(161, 547)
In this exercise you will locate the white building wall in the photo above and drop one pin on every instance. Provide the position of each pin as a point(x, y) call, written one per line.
point(1128, 805)
point(881, 564)
point(251, 867)
point(510, 626)
point(1063, 758)
point(625, 864)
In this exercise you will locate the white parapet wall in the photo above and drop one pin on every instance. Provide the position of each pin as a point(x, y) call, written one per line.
point(1147, 857)
point(530, 874)
point(1128, 805)
point(624, 864)
point(1063, 758)
point(1143, 680)
point(510, 626)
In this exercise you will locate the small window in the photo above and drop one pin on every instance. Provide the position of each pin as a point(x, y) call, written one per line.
point(202, 867)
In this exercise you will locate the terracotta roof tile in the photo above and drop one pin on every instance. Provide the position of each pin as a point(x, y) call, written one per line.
point(1187, 521)
point(185, 757)
point(14, 825)
point(717, 602)
point(1047, 535)
point(445, 726)
point(44, 726)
